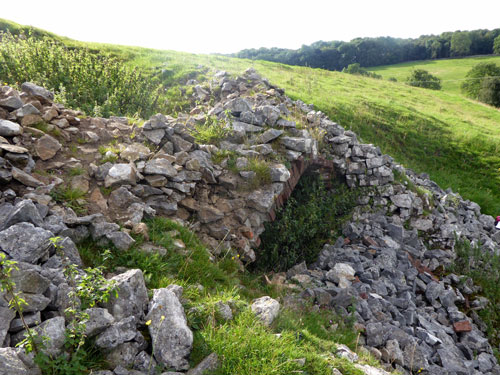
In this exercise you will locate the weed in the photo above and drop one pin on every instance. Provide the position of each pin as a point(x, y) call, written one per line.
point(72, 198)
point(212, 131)
point(311, 216)
point(76, 171)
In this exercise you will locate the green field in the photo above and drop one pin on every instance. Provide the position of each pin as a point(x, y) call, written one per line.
point(451, 71)
point(453, 139)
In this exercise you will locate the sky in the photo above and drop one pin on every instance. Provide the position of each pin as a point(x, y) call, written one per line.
point(229, 26)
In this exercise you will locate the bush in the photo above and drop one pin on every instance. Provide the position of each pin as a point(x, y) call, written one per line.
point(483, 83)
point(356, 69)
point(422, 78)
point(312, 216)
point(95, 83)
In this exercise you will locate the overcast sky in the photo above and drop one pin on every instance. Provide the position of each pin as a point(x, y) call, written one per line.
point(229, 26)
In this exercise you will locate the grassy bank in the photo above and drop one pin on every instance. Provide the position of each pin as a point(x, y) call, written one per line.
point(450, 71)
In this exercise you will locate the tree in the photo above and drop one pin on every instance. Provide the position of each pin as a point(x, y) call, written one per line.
point(496, 45)
point(460, 44)
point(483, 83)
point(422, 78)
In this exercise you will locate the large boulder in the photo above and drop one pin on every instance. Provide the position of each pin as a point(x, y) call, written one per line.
point(266, 309)
point(172, 338)
point(46, 147)
point(9, 128)
point(132, 298)
point(26, 243)
point(10, 364)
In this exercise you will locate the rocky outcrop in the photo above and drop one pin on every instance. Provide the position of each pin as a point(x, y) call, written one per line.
point(382, 266)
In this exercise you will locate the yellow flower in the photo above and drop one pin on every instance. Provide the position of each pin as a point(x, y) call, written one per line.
point(162, 318)
point(148, 322)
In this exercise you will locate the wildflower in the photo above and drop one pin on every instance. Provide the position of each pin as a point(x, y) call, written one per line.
point(148, 322)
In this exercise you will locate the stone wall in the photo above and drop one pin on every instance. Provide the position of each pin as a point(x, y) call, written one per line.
point(401, 232)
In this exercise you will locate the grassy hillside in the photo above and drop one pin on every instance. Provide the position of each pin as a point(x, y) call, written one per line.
point(451, 71)
point(453, 139)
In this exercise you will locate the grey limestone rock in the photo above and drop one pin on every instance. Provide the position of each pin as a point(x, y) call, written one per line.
point(266, 309)
point(121, 174)
point(119, 332)
point(132, 296)
point(9, 128)
point(99, 320)
point(24, 242)
point(172, 338)
point(37, 91)
point(10, 364)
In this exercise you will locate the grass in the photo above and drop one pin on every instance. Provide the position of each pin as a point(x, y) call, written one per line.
point(212, 131)
point(72, 198)
point(243, 344)
point(450, 71)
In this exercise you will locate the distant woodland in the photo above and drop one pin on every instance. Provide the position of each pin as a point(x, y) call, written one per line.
point(367, 52)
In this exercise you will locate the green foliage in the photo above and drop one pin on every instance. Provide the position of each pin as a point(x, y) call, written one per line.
point(76, 171)
point(262, 172)
point(336, 55)
point(483, 268)
point(312, 216)
point(247, 347)
point(358, 70)
point(212, 131)
point(422, 78)
point(483, 83)
point(70, 197)
point(460, 44)
point(496, 45)
point(98, 84)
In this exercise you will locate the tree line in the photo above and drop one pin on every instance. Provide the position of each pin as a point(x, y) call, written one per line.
point(337, 55)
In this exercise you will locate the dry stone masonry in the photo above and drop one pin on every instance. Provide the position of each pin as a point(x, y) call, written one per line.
point(381, 266)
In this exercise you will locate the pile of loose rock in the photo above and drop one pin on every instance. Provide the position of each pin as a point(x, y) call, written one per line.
point(128, 173)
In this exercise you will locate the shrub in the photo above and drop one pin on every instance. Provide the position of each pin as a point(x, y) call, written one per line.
point(312, 216)
point(422, 78)
point(356, 69)
point(98, 84)
point(483, 83)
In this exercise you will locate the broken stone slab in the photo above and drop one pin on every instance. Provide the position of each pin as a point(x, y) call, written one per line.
point(209, 214)
point(121, 240)
point(99, 320)
point(279, 173)
point(172, 339)
point(161, 167)
point(9, 128)
point(154, 136)
point(26, 243)
point(23, 211)
point(266, 309)
point(298, 144)
point(10, 364)
point(268, 136)
point(239, 126)
point(119, 332)
point(261, 200)
point(38, 92)
point(237, 106)
point(402, 200)
point(121, 174)
point(269, 113)
point(11, 102)
point(132, 295)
